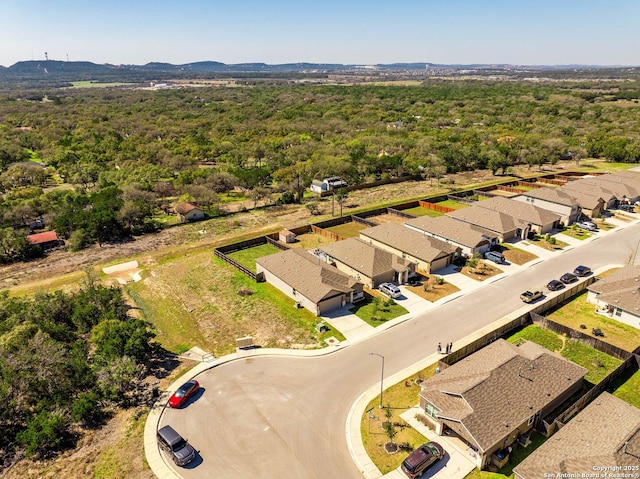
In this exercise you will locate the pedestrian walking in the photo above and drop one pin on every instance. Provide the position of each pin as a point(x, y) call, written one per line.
point(439, 348)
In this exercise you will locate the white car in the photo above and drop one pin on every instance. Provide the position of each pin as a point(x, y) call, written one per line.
point(390, 290)
point(587, 225)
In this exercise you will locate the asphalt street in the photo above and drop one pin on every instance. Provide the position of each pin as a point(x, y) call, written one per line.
point(282, 416)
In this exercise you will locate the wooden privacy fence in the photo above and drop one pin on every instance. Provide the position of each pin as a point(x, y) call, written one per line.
point(402, 214)
point(434, 207)
point(326, 233)
point(362, 221)
point(257, 277)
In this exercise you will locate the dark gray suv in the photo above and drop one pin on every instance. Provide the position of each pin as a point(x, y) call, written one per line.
point(178, 448)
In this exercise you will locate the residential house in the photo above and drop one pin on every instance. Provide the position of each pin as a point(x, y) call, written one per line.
point(618, 295)
point(602, 439)
point(470, 239)
point(553, 199)
point(587, 187)
point(494, 397)
point(500, 224)
point(47, 240)
point(527, 217)
point(426, 252)
point(308, 280)
point(189, 212)
point(367, 263)
point(590, 204)
point(625, 187)
point(328, 184)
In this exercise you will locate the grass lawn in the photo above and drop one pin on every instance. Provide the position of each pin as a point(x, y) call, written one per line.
point(578, 311)
point(348, 230)
point(598, 364)
point(399, 398)
point(629, 390)
point(541, 242)
point(247, 257)
point(452, 204)
point(376, 310)
point(422, 211)
point(515, 255)
point(310, 241)
point(194, 300)
point(575, 232)
point(231, 196)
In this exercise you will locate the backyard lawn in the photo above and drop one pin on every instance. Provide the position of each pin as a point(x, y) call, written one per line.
point(348, 230)
point(598, 364)
point(422, 211)
point(578, 312)
point(452, 204)
point(629, 390)
point(247, 257)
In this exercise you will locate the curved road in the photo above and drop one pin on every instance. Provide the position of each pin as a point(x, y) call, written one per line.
point(276, 417)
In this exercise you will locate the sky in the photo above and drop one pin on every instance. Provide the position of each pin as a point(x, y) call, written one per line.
point(519, 32)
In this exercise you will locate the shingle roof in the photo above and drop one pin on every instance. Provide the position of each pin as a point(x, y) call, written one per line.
point(586, 186)
point(523, 213)
point(365, 258)
point(39, 238)
point(453, 230)
point(184, 208)
point(532, 375)
point(418, 245)
point(489, 219)
point(552, 195)
point(620, 186)
point(584, 198)
point(605, 433)
point(620, 289)
point(305, 273)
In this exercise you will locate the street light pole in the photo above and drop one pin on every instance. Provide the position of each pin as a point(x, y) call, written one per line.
point(381, 375)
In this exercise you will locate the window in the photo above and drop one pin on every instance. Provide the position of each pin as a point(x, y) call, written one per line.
point(431, 410)
point(532, 419)
point(618, 312)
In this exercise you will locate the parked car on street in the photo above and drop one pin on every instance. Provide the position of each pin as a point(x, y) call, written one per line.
point(422, 459)
point(531, 296)
point(178, 448)
point(582, 271)
point(390, 290)
point(555, 285)
point(587, 225)
point(183, 393)
point(568, 278)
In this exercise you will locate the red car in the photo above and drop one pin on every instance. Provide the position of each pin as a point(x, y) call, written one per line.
point(183, 393)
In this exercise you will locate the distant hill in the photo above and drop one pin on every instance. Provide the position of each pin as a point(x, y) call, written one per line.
point(55, 71)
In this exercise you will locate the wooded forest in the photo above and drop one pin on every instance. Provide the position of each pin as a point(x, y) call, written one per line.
point(66, 360)
point(101, 164)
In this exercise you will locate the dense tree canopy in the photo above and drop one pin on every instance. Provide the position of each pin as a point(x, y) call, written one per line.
point(63, 359)
point(127, 151)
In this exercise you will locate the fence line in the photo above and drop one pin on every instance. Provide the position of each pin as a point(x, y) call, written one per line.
point(434, 207)
point(326, 233)
point(362, 221)
point(277, 244)
point(257, 277)
point(402, 214)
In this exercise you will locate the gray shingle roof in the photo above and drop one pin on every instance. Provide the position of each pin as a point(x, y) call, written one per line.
point(552, 195)
point(453, 230)
point(418, 245)
point(492, 220)
point(620, 289)
point(523, 213)
point(502, 385)
point(309, 275)
point(605, 433)
point(365, 258)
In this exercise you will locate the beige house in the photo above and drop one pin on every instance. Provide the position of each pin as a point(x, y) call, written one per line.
point(367, 263)
point(501, 224)
point(189, 212)
point(308, 280)
point(426, 252)
point(603, 439)
point(553, 199)
point(470, 239)
point(494, 397)
point(527, 217)
point(587, 187)
point(618, 295)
